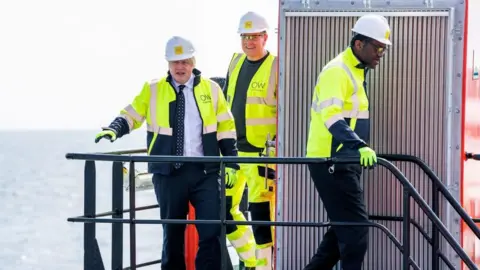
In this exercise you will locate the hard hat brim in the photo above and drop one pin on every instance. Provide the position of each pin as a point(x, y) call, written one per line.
point(180, 57)
point(252, 31)
point(384, 41)
point(381, 40)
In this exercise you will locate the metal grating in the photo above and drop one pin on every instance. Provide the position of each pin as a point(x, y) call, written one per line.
point(408, 99)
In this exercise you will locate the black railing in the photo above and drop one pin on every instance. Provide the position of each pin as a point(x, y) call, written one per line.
point(92, 257)
point(472, 156)
point(438, 186)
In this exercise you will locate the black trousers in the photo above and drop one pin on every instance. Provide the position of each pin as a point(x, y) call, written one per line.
point(189, 183)
point(342, 197)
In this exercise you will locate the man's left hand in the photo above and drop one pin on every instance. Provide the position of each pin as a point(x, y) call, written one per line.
point(230, 177)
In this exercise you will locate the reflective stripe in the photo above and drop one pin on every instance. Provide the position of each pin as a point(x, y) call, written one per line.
point(356, 114)
point(226, 135)
point(264, 258)
point(247, 254)
point(215, 88)
point(234, 63)
point(245, 248)
point(160, 130)
point(132, 113)
point(153, 106)
point(260, 100)
point(354, 97)
point(210, 128)
point(317, 106)
point(242, 241)
point(224, 116)
point(272, 84)
point(329, 102)
point(260, 121)
point(332, 120)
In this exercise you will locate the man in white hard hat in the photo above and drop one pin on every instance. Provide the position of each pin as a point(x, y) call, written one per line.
point(250, 89)
point(186, 115)
point(339, 126)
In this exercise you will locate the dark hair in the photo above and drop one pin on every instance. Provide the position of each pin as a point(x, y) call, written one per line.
point(359, 37)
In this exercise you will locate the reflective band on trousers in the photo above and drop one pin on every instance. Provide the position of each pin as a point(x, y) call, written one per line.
point(272, 81)
point(354, 113)
point(247, 250)
point(264, 258)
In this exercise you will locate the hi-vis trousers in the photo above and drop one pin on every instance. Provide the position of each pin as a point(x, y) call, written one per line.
point(253, 249)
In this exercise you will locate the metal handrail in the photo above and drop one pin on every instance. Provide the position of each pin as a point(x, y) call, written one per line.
point(434, 240)
point(472, 156)
point(422, 232)
point(409, 191)
point(437, 186)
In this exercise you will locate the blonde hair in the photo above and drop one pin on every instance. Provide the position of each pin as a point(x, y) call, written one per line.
point(190, 61)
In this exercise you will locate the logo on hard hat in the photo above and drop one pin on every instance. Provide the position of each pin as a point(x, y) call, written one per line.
point(248, 25)
point(387, 34)
point(178, 50)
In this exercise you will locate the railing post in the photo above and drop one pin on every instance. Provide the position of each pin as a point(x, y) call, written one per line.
point(131, 190)
point(223, 206)
point(406, 228)
point(435, 232)
point(244, 210)
point(92, 260)
point(117, 209)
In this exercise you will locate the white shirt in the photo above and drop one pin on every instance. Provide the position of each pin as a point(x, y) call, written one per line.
point(192, 144)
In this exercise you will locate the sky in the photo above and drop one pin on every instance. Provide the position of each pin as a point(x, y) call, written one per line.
point(75, 64)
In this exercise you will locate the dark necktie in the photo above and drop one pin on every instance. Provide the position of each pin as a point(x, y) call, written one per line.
point(180, 124)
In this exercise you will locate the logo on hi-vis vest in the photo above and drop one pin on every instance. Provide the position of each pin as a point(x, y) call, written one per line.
point(258, 86)
point(206, 98)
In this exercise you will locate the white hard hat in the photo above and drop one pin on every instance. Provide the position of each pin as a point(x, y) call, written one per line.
point(252, 22)
point(179, 48)
point(373, 26)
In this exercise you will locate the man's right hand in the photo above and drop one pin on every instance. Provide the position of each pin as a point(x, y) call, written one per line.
point(368, 157)
point(108, 134)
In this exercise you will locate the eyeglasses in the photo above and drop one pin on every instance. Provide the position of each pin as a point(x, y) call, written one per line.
point(379, 49)
point(251, 37)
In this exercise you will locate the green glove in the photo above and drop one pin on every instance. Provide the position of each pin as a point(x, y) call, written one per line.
point(108, 134)
point(230, 177)
point(368, 157)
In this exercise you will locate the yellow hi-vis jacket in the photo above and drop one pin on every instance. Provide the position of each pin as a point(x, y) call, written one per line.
point(157, 102)
point(261, 107)
point(339, 123)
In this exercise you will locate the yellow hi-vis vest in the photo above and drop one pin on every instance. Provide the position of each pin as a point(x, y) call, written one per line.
point(339, 123)
point(261, 107)
point(156, 104)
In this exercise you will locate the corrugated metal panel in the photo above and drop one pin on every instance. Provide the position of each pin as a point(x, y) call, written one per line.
point(407, 97)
